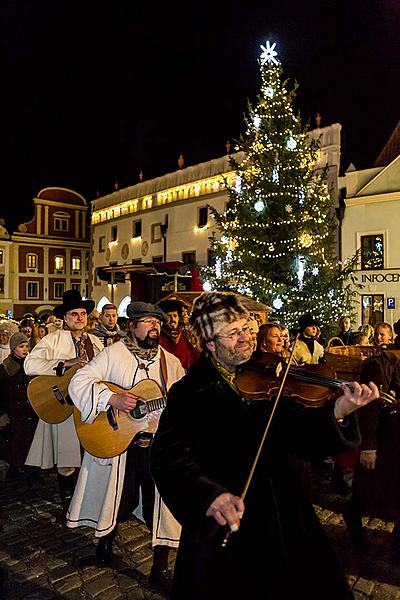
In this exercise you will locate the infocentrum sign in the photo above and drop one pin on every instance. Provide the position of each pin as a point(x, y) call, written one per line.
point(380, 277)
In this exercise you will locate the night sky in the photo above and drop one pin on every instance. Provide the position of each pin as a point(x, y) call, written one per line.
point(95, 91)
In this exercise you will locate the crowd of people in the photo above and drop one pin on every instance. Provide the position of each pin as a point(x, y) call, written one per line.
point(183, 471)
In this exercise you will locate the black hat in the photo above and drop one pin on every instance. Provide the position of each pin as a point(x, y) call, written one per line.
point(171, 305)
point(137, 310)
point(306, 321)
point(72, 299)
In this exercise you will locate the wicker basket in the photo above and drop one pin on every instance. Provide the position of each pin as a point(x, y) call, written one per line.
point(346, 361)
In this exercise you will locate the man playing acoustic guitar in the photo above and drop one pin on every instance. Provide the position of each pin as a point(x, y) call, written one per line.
point(108, 487)
point(58, 444)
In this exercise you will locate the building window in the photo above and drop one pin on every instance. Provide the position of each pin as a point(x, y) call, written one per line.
point(372, 309)
point(136, 229)
point(59, 264)
point(114, 233)
point(1, 283)
point(60, 224)
point(32, 289)
point(102, 243)
point(76, 264)
point(76, 287)
point(189, 258)
point(202, 216)
point(31, 261)
point(1, 257)
point(372, 252)
point(155, 233)
point(59, 290)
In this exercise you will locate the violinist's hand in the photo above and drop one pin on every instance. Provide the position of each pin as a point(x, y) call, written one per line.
point(124, 402)
point(368, 459)
point(227, 509)
point(350, 401)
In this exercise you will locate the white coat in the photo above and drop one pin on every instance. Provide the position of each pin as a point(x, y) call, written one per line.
point(99, 487)
point(54, 444)
point(302, 354)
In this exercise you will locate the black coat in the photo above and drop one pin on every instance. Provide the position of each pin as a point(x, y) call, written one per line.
point(376, 492)
point(205, 444)
point(14, 446)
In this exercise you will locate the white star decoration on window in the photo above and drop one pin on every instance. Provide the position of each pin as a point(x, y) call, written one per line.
point(268, 54)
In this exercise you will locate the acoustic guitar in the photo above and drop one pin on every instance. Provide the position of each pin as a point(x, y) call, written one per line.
point(113, 430)
point(48, 395)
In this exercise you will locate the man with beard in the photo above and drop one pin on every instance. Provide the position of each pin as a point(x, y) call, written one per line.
point(202, 455)
point(107, 491)
point(108, 330)
point(173, 338)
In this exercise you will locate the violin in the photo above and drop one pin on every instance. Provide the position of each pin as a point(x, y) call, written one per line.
point(312, 385)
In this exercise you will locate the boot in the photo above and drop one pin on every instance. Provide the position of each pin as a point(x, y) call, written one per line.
point(160, 577)
point(104, 553)
point(66, 486)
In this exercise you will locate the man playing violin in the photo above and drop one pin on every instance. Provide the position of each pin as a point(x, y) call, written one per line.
point(201, 458)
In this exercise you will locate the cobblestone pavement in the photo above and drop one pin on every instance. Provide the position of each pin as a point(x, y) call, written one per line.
point(43, 560)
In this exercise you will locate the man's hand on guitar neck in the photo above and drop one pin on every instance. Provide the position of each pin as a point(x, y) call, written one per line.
point(124, 402)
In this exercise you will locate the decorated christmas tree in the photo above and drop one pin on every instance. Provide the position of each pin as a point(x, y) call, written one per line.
point(278, 231)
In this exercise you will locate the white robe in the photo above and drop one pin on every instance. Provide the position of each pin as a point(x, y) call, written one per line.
point(54, 444)
point(98, 491)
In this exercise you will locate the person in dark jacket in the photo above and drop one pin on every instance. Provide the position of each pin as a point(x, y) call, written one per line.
point(376, 483)
point(18, 417)
point(202, 454)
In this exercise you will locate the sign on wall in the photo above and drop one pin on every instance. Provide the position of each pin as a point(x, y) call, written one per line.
point(390, 303)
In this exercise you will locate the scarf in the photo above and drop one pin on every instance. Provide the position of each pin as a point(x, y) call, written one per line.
point(12, 364)
point(144, 353)
point(80, 347)
point(225, 374)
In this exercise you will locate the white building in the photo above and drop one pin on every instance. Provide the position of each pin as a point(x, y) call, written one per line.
point(372, 224)
point(167, 219)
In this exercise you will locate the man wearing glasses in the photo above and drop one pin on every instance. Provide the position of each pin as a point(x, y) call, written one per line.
point(202, 455)
point(108, 490)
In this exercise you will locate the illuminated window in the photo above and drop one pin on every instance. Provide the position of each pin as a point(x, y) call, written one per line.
point(76, 263)
point(372, 309)
point(155, 233)
point(32, 289)
point(59, 264)
point(372, 252)
point(31, 261)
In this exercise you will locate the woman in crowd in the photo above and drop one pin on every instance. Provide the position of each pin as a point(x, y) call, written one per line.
point(17, 416)
point(26, 327)
point(270, 339)
point(383, 335)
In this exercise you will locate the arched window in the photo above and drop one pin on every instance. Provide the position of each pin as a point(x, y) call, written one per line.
point(123, 306)
point(104, 300)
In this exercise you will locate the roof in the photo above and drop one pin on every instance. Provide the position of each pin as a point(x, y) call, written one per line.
point(391, 149)
point(188, 298)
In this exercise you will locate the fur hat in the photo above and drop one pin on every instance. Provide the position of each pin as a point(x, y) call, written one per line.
point(212, 311)
point(17, 339)
point(9, 327)
point(72, 299)
point(138, 310)
point(306, 321)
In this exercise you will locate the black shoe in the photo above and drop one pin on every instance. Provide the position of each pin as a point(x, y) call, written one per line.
point(355, 528)
point(161, 580)
point(104, 553)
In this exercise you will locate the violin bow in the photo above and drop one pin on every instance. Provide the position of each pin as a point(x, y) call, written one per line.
point(264, 437)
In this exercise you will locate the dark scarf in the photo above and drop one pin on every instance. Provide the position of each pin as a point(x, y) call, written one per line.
point(12, 364)
point(309, 342)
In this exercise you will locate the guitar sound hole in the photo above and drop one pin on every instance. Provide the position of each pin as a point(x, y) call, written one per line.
point(140, 410)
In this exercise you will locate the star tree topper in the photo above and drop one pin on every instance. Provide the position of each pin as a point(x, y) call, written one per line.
point(268, 54)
